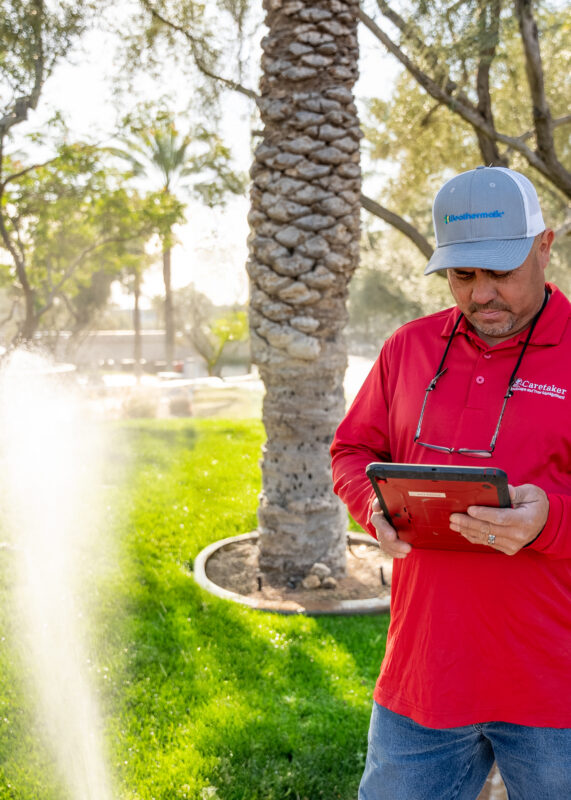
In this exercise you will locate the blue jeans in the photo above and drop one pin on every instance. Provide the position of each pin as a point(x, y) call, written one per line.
point(407, 761)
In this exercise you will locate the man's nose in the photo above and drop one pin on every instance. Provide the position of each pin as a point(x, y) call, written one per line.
point(483, 290)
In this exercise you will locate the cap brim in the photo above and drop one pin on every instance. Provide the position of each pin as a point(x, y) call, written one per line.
point(499, 255)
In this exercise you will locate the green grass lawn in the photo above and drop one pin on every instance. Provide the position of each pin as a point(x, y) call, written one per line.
point(201, 698)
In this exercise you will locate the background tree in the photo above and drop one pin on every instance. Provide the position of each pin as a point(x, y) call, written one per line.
point(209, 328)
point(476, 87)
point(64, 222)
point(211, 42)
point(34, 37)
point(158, 149)
point(465, 60)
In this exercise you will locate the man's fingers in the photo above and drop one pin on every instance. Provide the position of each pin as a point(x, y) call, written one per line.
point(387, 537)
point(506, 529)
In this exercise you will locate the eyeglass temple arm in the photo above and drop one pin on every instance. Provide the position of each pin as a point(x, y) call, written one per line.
point(429, 388)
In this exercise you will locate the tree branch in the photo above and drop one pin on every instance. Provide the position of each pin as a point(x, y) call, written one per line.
point(553, 171)
point(199, 61)
point(399, 223)
point(16, 257)
point(416, 41)
point(534, 70)
point(22, 105)
point(488, 40)
point(5, 320)
point(461, 105)
point(22, 172)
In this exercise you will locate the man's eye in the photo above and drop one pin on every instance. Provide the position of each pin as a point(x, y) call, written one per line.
point(463, 276)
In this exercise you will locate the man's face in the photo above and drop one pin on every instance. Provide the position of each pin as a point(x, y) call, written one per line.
point(501, 304)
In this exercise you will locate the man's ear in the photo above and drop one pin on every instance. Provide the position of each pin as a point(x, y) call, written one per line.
point(544, 248)
point(547, 238)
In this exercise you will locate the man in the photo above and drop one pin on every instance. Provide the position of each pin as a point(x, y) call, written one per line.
point(478, 656)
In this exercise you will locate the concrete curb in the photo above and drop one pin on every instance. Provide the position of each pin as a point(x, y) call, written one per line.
point(373, 605)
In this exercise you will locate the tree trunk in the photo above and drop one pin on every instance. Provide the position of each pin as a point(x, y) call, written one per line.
point(304, 248)
point(169, 317)
point(30, 324)
point(138, 345)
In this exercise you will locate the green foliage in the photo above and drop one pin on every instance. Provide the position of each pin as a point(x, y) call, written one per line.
point(33, 37)
point(73, 227)
point(202, 698)
point(211, 43)
point(388, 290)
point(196, 162)
point(209, 328)
point(426, 142)
point(429, 142)
point(230, 327)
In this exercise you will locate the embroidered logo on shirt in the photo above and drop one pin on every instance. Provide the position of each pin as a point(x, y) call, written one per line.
point(546, 389)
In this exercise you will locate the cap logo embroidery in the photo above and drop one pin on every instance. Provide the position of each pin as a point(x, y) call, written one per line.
point(482, 215)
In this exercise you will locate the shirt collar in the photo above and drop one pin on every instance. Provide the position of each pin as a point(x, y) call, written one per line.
point(549, 329)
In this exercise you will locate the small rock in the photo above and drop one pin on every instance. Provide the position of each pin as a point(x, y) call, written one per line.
point(311, 582)
point(329, 583)
point(321, 570)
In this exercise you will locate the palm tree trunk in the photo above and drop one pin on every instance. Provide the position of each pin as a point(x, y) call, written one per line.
point(304, 249)
point(137, 348)
point(169, 315)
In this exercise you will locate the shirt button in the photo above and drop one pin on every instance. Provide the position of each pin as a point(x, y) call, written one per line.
point(487, 355)
point(480, 379)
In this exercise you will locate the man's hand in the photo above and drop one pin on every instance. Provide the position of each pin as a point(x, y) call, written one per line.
point(512, 528)
point(387, 537)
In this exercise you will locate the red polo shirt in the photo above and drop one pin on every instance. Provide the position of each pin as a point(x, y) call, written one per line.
point(473, 637)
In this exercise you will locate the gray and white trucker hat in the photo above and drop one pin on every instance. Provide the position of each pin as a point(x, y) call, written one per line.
point(486, 218)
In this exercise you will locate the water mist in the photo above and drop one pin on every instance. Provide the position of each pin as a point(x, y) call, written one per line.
point(50, 461)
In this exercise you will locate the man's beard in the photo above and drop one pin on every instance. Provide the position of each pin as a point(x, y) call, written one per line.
point(491, 329)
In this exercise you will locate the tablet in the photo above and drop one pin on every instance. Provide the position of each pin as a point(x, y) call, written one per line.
point(417, 500)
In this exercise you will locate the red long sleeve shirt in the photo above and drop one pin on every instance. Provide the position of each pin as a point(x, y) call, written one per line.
point(473, 637)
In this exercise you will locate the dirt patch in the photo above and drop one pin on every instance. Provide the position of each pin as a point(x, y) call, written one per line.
point(235, 567)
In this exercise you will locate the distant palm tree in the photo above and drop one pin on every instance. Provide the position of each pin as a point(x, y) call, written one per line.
point(159, 149)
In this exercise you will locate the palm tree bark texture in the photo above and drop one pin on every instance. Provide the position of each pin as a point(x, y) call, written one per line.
point(304, 248)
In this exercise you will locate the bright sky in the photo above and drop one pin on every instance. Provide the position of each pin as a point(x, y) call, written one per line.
point(212, 249)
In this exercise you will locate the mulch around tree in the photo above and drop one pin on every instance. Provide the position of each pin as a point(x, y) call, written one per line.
point(235, 567)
